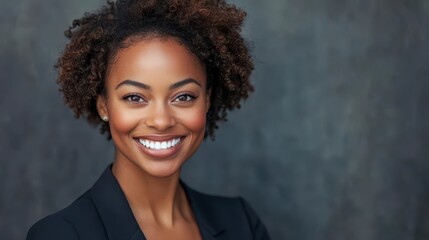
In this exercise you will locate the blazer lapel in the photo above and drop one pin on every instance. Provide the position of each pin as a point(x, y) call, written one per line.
point(211, 228)
point(114, 209)
point(119, 220)
point(138, 235)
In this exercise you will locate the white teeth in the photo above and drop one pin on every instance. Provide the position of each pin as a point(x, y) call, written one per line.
point(159, 145)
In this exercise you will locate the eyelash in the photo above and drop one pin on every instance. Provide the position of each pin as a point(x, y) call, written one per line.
point(129, 97)
point(189, 97)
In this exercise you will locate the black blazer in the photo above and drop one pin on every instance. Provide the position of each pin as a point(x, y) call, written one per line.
point(103, 213)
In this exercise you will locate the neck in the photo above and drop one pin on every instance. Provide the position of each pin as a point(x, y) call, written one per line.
point(157, 200)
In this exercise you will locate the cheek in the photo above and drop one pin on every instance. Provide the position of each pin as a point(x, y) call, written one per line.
point(122, 120)
point(194, 120)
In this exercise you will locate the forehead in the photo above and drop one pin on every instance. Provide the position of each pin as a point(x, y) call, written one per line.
point(151, 59)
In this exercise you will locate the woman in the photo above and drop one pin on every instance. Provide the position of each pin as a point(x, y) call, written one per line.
point(157, 76)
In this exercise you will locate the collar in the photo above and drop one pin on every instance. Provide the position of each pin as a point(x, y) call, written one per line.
point(120, 223)
point(113, 208)
point(211, 227)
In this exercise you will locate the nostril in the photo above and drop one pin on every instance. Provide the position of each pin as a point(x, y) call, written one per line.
point(161, 121)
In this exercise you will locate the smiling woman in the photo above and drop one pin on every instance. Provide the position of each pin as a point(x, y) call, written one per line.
point(156, 102)
point(157, 76)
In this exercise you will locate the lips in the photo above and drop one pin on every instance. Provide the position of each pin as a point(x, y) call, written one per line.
point(160, 147)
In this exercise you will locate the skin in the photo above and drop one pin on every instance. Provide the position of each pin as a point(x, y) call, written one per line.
point(156, 90)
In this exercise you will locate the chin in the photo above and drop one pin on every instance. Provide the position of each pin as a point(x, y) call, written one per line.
point(162, 169)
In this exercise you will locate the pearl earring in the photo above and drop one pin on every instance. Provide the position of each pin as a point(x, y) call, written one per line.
point(105, 118)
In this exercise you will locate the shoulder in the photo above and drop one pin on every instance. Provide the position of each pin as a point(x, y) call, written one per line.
point(258, 228)
point(68, 223)
point(52, 227)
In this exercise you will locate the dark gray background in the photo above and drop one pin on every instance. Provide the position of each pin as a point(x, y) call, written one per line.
point(332, 145)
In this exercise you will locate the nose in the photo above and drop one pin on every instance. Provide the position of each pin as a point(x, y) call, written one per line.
point(159, 117)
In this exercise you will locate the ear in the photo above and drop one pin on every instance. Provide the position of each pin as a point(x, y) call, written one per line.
point(208, 97)
point(101, 106)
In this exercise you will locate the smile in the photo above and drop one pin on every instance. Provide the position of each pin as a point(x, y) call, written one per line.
point(159, 145)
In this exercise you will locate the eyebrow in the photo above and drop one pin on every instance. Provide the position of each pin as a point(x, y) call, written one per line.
point(133, 83)
point(147, 87)
point(184, 82)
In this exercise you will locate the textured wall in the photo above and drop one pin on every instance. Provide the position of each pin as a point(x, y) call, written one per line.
point(334, 143)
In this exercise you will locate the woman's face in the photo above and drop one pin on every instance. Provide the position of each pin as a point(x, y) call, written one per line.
point(156, 104)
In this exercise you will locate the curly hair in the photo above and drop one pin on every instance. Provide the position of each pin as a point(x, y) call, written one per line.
point(210, 29)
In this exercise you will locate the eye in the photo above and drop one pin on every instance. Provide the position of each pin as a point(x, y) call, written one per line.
point(186, 97)
point(134, 98)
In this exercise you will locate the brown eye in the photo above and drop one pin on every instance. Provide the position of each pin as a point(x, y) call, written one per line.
point(134, 98)
point(184, 98)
